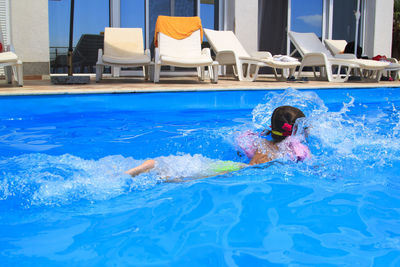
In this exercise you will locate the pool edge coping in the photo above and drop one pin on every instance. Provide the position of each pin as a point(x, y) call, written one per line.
point(26, 92)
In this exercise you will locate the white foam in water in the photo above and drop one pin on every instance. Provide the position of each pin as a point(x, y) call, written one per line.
point(308, 102)
point(39, 179)
point(182, 166)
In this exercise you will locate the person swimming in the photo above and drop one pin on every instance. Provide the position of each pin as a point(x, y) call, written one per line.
point(260, 150)
point(283, 142)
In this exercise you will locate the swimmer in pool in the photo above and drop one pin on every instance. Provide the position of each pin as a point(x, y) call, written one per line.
point(282, 126)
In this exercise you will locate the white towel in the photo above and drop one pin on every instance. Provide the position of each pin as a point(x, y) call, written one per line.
point(284, 58)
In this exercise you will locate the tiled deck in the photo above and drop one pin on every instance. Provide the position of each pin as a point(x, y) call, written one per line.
point(171, 84)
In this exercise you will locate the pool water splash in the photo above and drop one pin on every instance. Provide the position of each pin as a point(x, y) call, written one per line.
point(40, 179)
point(343, 142)
point(307, 101)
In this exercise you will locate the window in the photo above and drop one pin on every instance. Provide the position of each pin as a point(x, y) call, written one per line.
point(306, 16)
point(344, 23)
point(133, 16)
point(207, 14)
point(90, 19)
point(132, 13)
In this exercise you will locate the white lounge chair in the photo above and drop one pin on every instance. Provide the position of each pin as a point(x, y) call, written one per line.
point(186, 53)
point(123, 47)
point(229, 51)
point(12, 64)
point(337, 47)
point(315, 54)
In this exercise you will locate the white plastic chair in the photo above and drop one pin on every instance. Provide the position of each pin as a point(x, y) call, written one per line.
point(123, 47)
point(337, 47)
point(13, 68)
point(186, 53)
point(229, 51)
point(315, 54)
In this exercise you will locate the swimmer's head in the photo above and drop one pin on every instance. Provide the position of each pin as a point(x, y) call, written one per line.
point(282, 121)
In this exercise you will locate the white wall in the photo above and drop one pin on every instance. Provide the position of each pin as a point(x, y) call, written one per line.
point(379, 27)
point(246, 23)
point(30, 29)
point(383, 27)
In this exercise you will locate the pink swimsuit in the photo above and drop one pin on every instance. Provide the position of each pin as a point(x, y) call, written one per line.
point(248, 142)
point(295, 149)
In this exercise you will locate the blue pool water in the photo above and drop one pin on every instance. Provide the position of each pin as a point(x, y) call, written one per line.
point(65, 200)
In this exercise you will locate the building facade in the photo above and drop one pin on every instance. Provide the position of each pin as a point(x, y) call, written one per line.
point(39, 29)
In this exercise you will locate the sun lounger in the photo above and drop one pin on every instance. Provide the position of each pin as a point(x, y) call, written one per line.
point(123, 47)
point(337, 47)
point(315, 54)
point(11, 63)
point(229, 51)
point(178, 43)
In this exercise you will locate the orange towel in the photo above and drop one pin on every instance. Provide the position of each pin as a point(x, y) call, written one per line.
point(177, 27)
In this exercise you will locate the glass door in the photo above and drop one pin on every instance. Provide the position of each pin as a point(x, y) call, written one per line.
point(209, 14)
point(90, 19)
point(132, 15)
point(343, 22)
point(307, 16)
point(329, 19)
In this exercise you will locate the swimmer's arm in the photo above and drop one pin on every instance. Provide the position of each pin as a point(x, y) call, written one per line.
point(144, 167)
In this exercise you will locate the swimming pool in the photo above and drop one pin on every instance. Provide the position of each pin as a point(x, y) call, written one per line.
point(65, 201)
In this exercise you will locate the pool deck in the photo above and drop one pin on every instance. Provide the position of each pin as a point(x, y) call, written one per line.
point(174, 84)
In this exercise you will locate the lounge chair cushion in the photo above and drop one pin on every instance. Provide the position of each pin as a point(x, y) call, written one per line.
point(189, 47)
point(8, 57)
point(177, 27)
point(138, 59)
point(226, 41)
point(229, 51)
point(371, 64)
point(309, 43)
point(203, 60)
point(281, 64)
point(336, 46)
point(222, 41)
point(123, 42)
